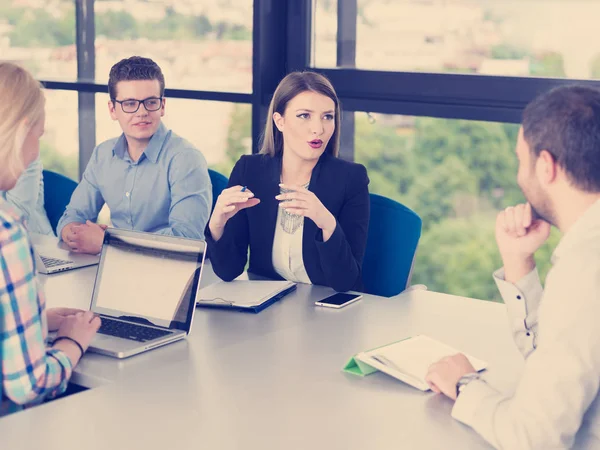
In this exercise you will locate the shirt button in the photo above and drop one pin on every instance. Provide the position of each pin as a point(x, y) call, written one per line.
point(129, 221)
point(127, 194)
point(518, 297)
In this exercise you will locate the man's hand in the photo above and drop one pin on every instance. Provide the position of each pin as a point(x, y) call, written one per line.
point(56, 316)
point(444, 374)
point(518, 237)
point(84, 238)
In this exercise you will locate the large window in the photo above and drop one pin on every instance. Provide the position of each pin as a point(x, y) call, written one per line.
point(203, 45)
point(59, 147)
point(40, 36)
point(457, 175)
point(220, 130)
point(440, 78)
point(550, 38)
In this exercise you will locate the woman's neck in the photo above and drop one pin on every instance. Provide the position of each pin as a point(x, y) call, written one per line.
point(295, 170)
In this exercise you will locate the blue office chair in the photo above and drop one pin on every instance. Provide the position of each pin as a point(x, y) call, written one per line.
point(219, 182)
point(394, 232)
point(57, 195)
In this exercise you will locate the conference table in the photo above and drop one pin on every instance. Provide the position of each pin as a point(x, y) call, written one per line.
point(271, 380)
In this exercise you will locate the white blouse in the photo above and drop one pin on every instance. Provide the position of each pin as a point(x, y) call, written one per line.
point(287, 253)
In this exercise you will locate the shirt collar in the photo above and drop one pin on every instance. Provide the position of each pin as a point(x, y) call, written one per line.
point(583, 228)
point(154, 146)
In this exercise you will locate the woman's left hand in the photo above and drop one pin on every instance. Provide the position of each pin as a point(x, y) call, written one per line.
point(56, 316)
point(305, 203)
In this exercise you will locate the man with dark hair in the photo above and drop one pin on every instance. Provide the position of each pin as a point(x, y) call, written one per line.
point(151, 179)
point(556, 403)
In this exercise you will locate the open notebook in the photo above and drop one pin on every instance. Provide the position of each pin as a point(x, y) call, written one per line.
point(407, 360)
point(244, 295)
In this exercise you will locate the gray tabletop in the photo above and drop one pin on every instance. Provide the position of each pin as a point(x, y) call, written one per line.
point(271, 380)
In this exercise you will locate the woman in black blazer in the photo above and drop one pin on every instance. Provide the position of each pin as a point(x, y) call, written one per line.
point(296, 176)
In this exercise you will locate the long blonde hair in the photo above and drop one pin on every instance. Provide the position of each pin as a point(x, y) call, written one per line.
point(293, 84)
point(21, 107)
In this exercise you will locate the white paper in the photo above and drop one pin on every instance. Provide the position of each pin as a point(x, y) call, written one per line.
point(413, 357)
point(246, 293)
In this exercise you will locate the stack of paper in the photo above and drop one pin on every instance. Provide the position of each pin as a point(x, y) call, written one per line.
point(407, 360)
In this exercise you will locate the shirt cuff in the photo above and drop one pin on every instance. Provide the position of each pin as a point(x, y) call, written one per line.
point(526, 285)
point(475, 406)
point(63, 359)
point(67, 371)
point(523, 298)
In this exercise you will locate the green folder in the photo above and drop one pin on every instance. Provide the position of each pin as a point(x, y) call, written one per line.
point(356, 367)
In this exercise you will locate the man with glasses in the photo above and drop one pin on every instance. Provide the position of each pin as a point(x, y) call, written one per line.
point(151, 179)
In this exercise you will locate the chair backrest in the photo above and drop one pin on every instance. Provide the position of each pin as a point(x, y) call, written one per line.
point(394, 232)
point(57, 195)
point(219, 182)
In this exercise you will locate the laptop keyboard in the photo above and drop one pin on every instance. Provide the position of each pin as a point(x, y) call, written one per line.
point(130, 331)
point(53, 262)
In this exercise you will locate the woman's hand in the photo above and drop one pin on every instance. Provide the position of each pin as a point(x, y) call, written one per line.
point(81, 328)
point(56, 316)
point(230, 202)
point(305, 203)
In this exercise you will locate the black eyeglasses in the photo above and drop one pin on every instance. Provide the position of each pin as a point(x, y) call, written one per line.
point(131, 106)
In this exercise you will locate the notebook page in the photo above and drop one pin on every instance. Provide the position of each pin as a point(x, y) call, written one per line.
point(242, 292)
point(414, 356)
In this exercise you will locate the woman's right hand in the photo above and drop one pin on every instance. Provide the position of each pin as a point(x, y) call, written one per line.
point(81, 327)
point(228, 204)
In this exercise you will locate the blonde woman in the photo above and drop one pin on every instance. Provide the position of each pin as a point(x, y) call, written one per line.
point(303, 212)
point(31, 371)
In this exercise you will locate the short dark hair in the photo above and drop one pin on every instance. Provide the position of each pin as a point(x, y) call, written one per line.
point(134, 68)
point(566, 122)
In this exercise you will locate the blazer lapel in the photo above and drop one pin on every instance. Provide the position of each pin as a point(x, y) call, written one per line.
point(310, 228)
point(273, 176)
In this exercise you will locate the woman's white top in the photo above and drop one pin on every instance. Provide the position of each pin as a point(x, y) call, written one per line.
point(287, 252)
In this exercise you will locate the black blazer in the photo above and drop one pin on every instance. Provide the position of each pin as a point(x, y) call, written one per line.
point(340, 185)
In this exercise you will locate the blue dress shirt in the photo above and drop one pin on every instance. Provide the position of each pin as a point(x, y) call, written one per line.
point(166, 191)
point(28, 197)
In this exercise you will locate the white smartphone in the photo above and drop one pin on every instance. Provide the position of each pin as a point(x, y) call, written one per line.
point(338, 300)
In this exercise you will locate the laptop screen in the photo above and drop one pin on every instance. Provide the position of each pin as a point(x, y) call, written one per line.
point(148, 278)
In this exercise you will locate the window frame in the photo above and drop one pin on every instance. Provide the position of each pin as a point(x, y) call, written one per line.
point(282, 38)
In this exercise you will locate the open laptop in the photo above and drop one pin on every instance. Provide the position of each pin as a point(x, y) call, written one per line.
point(145, 291)
point(53, 259)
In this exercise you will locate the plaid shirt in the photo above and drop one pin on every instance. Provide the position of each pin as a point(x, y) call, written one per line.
point(31, 372)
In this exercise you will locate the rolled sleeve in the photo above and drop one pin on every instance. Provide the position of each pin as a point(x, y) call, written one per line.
point(86, 201)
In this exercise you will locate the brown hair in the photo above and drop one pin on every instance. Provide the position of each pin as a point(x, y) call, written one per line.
point(134, 68)
point(566, 122)
point(293, 84)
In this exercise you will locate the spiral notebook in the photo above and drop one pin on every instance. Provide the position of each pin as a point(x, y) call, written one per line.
point(244, 295)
